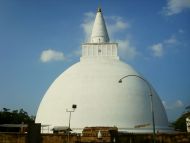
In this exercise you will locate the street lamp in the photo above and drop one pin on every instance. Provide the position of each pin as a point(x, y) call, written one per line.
point(151, 101)
point(74, 106)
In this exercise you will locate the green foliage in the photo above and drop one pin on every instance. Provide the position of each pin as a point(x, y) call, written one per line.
point(14, 117)
point(180, 123)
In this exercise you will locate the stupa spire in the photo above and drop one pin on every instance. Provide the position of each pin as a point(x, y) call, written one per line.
point(99, 47)
point(99, 31)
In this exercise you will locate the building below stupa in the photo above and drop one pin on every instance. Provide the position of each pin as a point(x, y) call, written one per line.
point(92, 85)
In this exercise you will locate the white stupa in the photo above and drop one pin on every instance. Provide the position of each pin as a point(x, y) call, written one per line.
point(92, 84)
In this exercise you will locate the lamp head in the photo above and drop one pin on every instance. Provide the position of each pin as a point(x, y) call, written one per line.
point(120, 81)
point(74, 106)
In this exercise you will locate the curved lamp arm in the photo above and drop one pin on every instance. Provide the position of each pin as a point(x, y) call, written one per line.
point(151, 101)
point(149, 86)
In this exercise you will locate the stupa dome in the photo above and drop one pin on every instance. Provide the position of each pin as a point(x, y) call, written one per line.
point(92, 84)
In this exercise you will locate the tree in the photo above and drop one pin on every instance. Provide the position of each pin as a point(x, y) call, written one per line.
point(187, 109)
point(180, 123)
point(14, 117)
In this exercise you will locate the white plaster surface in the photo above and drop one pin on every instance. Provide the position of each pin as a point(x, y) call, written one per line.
point(92, 84)
point(101, 100)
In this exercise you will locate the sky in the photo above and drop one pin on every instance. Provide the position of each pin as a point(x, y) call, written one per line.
point(40, 39)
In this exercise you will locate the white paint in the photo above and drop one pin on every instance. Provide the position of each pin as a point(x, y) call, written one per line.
point(99, 134)
point(92, 84)
point(96, 50)
point(101, 100)
point(99, 31)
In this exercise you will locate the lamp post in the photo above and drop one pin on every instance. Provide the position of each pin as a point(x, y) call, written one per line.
point(74, 106)
point(151, 102)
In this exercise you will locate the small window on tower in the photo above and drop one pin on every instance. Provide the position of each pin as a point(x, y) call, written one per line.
point(99, 50)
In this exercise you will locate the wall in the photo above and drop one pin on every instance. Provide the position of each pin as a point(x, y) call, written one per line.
point(160, 138)
point(13, 138)
point(122, 138)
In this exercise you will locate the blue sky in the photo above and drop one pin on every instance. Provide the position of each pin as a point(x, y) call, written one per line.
point(39, 39)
